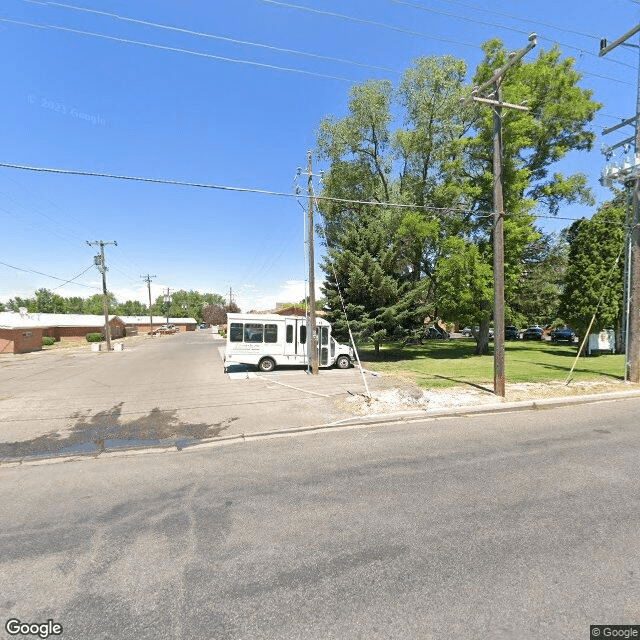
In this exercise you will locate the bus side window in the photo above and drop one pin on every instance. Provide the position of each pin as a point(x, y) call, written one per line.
point(235, 332)
point(324, 335)
point(271, 333)
point(289, 333)
point(253, 332)
point(303, 334)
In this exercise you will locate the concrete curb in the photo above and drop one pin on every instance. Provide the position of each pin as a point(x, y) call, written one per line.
point(357, 422)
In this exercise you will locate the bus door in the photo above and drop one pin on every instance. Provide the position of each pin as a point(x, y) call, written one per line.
point(323, 346)
point(291, 347)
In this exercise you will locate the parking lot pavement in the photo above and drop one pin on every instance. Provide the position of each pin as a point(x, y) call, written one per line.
point(161, 390)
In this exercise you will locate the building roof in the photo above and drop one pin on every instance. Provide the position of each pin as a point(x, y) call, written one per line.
point(16, 320)
point(156, 320)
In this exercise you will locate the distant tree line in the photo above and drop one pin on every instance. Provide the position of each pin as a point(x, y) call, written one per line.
point(184, 304)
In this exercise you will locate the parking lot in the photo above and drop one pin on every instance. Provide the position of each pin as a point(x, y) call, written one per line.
point(156, 390)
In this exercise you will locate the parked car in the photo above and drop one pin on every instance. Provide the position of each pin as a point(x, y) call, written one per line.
point(437, 332)
point(511, 332)
point(532, 333)
point(466, 332)
point(565, 334)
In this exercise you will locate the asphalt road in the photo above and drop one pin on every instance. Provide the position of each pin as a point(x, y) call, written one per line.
point(169, 389)
point(522, 525)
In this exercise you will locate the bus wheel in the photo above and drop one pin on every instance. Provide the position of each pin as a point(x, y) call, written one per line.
point(266, 364)
point(343, 362)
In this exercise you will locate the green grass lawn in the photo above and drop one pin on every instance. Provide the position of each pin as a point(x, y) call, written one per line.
point(451, 362)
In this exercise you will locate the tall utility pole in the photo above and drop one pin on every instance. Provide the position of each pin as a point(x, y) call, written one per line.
point(167, 301)
point(632, 179)
point(494, 98)
point(102, 267)
point(147, 279)
point(313, 341)
point(230, 295)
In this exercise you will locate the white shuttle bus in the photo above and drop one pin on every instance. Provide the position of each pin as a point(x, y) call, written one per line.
point(271, 340)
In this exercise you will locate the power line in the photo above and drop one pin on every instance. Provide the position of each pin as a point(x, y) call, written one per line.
point(212, 36)
point(373, 23)
point(282, 194)
point(50, 276)
point(262, 65)
point(507, 15)
point(72, 279)
point(448, 211)
point(502, 26)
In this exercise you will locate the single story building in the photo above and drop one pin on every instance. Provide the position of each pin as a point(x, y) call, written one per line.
point(20, 339)
point(15, 327)
point(142, 324)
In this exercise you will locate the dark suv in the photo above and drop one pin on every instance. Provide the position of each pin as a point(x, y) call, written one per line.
point(511, 332)
point(532, 333)
point(563, 335)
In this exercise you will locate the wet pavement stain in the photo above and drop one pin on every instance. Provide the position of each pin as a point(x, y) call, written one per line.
point(107, 431)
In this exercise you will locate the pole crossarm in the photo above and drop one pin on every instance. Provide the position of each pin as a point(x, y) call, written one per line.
point(513, 58)
point(605, 48)
point(618, 144)
point(624, 123)
point(497, 103)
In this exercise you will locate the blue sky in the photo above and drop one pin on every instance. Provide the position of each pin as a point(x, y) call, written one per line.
point(77, 101)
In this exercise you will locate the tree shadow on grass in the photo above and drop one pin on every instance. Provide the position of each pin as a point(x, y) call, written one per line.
point(436, 349)
point(591, 372)
point(106, 430)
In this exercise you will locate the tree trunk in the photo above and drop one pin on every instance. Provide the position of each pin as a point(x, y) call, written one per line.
point(376, 348)
point(482, 339)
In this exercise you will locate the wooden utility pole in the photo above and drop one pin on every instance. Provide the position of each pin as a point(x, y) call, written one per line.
point(632, 257)
point(313, 340)
point(102, 267)
point(167, 301)
point(147, 279)
point(494, 98)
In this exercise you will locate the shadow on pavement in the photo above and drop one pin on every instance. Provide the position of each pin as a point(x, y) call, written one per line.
point(108, 431)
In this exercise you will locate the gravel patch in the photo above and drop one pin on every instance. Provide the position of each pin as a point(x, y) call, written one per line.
point(411, 398)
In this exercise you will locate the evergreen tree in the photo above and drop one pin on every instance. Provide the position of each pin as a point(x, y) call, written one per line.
point(367, 271)
point(592, 273)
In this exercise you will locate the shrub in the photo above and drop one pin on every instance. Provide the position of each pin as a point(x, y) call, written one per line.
point(95, 337)
point(48, 341)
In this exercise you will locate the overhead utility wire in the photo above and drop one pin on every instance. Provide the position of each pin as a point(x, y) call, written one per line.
point(281, 194)
point(74, 278)
point(203, 185)
point(200, 54)
point(457, 16)
point(211, 36)
point(383, 25)
point(54, 277)
point(508, 15)
point(410, 32)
